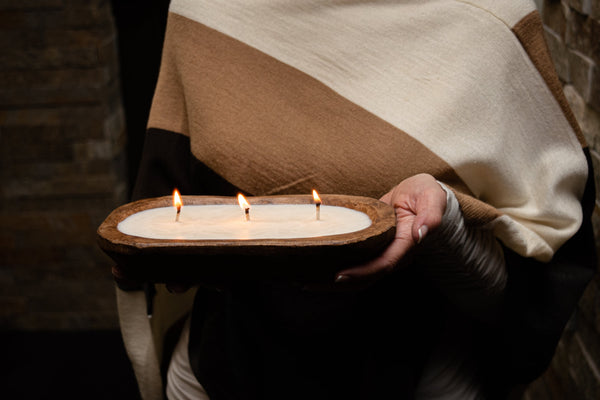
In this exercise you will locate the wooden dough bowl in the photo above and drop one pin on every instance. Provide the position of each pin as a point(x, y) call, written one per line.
point(303, 260)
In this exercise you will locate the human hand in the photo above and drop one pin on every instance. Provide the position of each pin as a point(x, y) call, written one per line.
point(419, 203)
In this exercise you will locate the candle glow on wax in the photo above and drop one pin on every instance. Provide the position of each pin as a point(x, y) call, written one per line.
point(223, 222)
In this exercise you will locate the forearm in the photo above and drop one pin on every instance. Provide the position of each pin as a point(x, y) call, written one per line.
point(466, 264)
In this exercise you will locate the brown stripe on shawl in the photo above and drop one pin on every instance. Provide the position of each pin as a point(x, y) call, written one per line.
point(530, 32)
point(269, 128)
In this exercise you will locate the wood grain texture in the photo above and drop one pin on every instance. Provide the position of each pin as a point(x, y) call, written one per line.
point(211, 261)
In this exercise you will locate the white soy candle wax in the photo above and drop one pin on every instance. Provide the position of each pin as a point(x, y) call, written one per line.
point(228, 222)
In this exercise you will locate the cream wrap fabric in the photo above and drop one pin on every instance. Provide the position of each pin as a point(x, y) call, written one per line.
point(144, 336)
point(140, 343)
point(354, 96)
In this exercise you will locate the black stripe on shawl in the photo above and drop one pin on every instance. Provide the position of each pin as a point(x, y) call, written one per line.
point(168, 163)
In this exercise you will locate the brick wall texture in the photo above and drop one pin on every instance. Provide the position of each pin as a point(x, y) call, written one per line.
point(573, 36)
point(62, 168)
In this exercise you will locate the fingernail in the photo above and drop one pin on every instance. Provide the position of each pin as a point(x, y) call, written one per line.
point(422, 232)
point(342, 278)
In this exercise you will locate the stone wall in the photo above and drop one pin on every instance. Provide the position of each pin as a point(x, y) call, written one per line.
point(62, 162)
point(573, 35)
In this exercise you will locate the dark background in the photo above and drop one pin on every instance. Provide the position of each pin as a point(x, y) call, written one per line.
point(77, 66)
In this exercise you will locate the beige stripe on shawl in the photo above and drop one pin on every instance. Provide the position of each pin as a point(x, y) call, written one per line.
point(304, 134)
point(354, 97)
point(530, 32)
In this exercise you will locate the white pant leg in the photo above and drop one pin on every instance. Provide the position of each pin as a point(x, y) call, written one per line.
point(181, 382)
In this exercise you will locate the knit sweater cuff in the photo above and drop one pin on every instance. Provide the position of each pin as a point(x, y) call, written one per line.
point(465, 263)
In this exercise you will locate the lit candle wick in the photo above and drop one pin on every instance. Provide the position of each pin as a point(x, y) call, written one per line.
point(244, 205)
point(177, 203)
point(317, 204)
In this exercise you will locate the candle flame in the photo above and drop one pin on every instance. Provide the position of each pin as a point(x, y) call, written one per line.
point(243, 203)
point(316, 197)
point(177, 203)
point(317, 204)
point(245, 206)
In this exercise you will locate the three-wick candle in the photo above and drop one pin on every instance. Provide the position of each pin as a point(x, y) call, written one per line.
point(223, 222)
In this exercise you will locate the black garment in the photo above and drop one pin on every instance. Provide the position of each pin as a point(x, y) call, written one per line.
point(258, 341)
point(275, 342)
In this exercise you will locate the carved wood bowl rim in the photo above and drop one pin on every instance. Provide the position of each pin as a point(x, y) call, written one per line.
point(110, 238)
point(314, 259)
